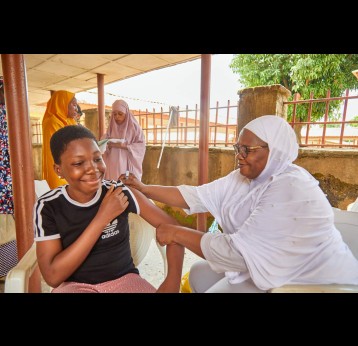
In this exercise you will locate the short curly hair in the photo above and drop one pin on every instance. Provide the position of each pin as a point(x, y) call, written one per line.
point(61, 138)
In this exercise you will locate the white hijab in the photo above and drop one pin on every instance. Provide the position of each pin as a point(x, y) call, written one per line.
point(282, 142)
point(283, 149)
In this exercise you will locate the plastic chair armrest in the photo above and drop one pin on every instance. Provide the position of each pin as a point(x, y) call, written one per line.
point(315, 289)
point(17, 279)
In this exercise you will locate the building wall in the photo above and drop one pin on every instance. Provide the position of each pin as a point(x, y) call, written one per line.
point(335, 169)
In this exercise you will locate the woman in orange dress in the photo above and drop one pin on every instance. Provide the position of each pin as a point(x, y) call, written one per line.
point(61, 111)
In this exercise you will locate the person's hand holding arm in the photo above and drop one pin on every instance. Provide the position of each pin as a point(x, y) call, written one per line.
point(174, 234)
point(166, 194)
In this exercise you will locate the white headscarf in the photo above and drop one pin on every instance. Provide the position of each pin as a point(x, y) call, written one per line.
point(283, 150)
point(282, 142)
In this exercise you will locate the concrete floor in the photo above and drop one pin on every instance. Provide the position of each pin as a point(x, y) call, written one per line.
point(152, 267)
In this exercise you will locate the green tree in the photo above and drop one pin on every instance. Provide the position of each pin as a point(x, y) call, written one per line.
point(302, 73)
point(355, 119)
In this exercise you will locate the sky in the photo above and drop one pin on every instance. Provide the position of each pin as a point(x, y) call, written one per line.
point(177, 85)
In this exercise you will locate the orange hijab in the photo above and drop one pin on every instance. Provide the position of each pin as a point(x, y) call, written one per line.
point(55, 118)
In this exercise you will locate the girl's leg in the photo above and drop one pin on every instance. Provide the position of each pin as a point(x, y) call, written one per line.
point(75, 287)
point(130, 283)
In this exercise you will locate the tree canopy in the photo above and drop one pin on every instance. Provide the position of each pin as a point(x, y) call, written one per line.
point(302, 73)
point(355, 119)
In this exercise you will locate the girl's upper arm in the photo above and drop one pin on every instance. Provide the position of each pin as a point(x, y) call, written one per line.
point(150, 212)
point(46, 251)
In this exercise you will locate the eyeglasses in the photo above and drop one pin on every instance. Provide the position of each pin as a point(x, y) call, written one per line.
point(244, 150)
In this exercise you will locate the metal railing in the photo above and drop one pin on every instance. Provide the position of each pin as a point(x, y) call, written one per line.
point(222, 126)
point(338, 136)
point(184, 131)
point(36, 132)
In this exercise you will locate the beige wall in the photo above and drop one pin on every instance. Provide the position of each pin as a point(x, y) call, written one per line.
point(180, 165)
point(342, 164)
point(335, 169)
point(37, 160)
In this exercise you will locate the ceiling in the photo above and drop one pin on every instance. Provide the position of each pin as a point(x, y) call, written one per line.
point(78, 72)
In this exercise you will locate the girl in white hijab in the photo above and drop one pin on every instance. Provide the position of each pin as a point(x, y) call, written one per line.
point(126, 149)
point(277, 224)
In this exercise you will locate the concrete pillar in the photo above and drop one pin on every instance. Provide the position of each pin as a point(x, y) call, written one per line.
point(203, 167)
point(101, 106)
point(91, 120)
point(15, 84)
point(262, 100)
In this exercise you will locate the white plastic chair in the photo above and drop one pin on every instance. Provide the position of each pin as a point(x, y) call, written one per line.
point(17, 279)
point(347, 223)
point(141, 235)
point(353, 206)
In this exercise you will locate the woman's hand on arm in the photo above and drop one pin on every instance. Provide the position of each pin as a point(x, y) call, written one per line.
point(132, 181)
point(57, 264)
point(174, 234)
point(165, 194)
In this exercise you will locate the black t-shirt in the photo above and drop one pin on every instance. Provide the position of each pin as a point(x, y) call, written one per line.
point(59, 216)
